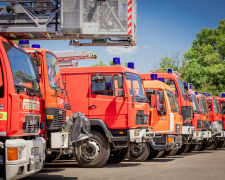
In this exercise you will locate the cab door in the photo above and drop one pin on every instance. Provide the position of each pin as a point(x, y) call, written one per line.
point(106, 101)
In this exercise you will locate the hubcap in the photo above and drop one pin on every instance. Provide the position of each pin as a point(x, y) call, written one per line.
point(136, 149)
point(90, 150)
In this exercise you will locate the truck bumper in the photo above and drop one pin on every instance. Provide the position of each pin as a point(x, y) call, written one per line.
point(197, 136)
point(206, 135)
point(166, 142)
point(140, 135)
point(187, 130)
point(220, 135)
point(31, 156)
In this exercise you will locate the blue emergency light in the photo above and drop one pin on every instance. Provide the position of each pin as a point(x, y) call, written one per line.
point(130, 65)
point(196, 93)
point(23, 41)
point(204, 93)
point(42, 125)
point(161, 79)
point(223, 95)
point(116, 61)
point(36, 46)
point(209, 94)
point(154, 77)
point(170, 70)
point(190, 87)
point(184, 83)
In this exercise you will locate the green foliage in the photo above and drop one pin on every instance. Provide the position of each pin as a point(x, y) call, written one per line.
point(174, 61)
point(101, 63)
point(205, 58)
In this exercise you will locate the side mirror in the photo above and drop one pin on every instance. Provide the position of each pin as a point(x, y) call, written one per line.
point(120, 81)
point(161, 106)
point(167, 81)
point(120, 93)
point(99, 79)
point(186, 87)
point(161, 97)
point(150, 91)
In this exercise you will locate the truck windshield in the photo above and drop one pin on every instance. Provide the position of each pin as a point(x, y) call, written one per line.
point(203, 105)
point(195, 103)
point(216, 106)
point(173, 102)
point(53, 71)
point(223, 107)
point(22, 69)
point(135, 87)
point(181, 87)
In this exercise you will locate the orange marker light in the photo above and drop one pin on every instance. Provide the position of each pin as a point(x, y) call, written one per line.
point(12, 154)
point(170, 140)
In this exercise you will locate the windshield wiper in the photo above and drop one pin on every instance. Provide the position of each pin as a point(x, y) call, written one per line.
point(26, 89)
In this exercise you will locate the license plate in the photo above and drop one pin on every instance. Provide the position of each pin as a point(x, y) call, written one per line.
point(32, 121)
point(35, 151)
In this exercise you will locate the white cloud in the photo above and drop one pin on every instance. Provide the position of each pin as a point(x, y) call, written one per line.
point(120, 50)
point(146, 46)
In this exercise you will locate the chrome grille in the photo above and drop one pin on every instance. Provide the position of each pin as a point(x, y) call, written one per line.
point(141, 118)
point(33, 124)
point(199, 123)
point(206, 125)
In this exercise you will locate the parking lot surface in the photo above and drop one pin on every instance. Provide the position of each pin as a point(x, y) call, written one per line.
point(209, 164)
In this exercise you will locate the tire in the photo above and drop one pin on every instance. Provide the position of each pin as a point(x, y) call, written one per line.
point(166, 153)
point(203, 146)
point(117, 156)
point(191, 148)
point(174, 152)
point(94, 154)
point(220, 144)
point(183, 149)
point(153, 154)
point(213, 146)
point(160, 154)
point(138, 152)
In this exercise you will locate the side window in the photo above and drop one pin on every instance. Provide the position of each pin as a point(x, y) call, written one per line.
point(1, 82)
point(173, 87)
point(116, 88)
point(103, 87)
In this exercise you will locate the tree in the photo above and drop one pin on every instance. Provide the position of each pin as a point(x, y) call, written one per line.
point(206, 59)
point(175, 62)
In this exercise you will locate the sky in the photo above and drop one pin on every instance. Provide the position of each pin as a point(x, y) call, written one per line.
point(163, 27)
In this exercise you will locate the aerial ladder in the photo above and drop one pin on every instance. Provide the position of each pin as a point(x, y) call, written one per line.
point(71, 57)
point(83, 22)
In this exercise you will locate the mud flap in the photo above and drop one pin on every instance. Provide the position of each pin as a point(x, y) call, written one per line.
point(78, 126)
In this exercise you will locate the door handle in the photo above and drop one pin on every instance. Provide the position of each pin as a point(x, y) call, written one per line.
point(93, 106)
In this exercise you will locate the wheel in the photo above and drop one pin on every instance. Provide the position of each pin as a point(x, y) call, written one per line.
point(174, 151)
point(183, 149)
point(166, 153)
point(203, 146)
point(160, 154)
point(94, 153)
point(213, 146)
point(138, 152)
point(220, 144)
point(191, 148)
point(116, 156)
point(153, 154)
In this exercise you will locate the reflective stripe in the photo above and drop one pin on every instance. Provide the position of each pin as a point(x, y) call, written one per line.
point(2, 133)
point(171, 121)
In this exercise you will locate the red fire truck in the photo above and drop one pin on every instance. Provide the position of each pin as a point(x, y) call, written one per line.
point(22, 152)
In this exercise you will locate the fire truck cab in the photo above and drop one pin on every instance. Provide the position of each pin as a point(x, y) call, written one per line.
point(22, 152)
point(164, 115)
point(114, 101)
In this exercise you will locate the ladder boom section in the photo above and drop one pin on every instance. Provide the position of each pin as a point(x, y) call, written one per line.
point(83, 22)
point(66, 58)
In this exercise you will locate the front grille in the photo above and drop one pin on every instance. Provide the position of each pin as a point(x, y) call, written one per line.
point(141, 118)
point(59, 118)
point(177, 128)
point(187, 112)
point(33, 124)
point(206, 125)
point(199, 124)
